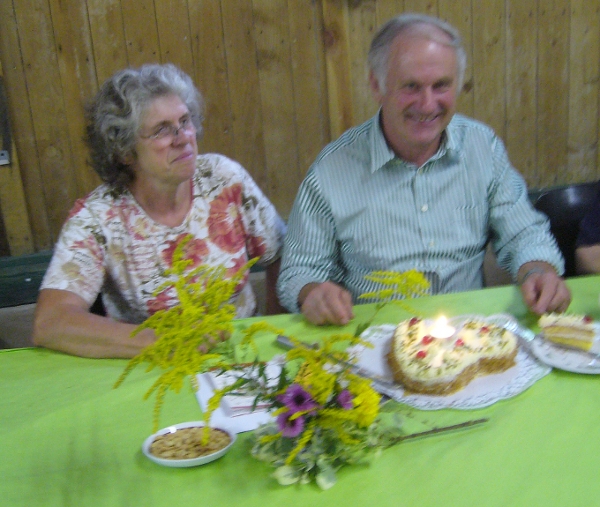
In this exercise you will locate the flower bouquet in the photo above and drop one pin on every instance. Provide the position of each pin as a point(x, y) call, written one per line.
point(194, 336)
point(325, 415)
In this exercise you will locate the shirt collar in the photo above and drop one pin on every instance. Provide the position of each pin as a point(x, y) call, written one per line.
point(451, 142)
point(381, 153)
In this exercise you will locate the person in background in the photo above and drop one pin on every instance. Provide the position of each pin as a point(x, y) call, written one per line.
point(415, 187)
point(587, 250)
point(142, 132)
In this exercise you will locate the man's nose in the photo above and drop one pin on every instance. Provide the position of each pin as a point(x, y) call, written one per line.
point(426, 100)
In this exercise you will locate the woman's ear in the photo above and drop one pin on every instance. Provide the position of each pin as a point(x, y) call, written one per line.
point(128, 159)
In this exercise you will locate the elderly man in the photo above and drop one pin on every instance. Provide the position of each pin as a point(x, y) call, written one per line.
point(415, 187)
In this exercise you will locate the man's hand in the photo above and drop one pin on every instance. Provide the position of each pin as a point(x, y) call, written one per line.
point(326, 303)
point(543, 290)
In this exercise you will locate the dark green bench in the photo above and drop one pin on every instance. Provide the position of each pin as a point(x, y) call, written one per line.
point(20, 278)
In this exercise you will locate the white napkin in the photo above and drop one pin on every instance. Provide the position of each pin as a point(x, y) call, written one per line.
point(232, 404)
point(235, 412)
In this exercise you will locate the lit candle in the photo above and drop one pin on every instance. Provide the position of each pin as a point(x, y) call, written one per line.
point(441, 329)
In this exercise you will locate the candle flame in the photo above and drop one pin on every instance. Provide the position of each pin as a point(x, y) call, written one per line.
point(441, 328)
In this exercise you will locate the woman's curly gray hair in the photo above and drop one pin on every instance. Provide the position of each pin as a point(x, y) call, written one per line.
point(114, 115)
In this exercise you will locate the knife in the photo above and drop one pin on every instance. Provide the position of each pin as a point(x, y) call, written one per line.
point(379, 384)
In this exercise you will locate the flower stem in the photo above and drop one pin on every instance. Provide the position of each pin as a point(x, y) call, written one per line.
point(441, 429)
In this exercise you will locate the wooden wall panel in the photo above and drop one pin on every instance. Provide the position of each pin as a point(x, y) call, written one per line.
point(13, 208)
point(78, 80)
point(521, 75)
point(337, 55)
point(208, 49)
point(47, 109)
point(34, 218)
point(459, 13)
point(489, 70)
point(14, 220)
point(584, 59)
point(244, 89)
point(141, 33)
point(173, 23)
point(387, 9)
point(553, 92)
point(281, 78)
point(362, 24)
point(108, 37)
point(310, 90)
point(275, 75)
point(421, 6)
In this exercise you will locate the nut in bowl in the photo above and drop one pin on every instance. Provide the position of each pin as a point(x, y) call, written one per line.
point(181, 445)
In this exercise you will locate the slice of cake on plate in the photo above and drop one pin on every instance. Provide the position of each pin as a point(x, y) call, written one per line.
point(441, 366)
point(573, 331)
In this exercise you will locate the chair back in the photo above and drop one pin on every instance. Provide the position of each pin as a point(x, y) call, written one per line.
point(565, 207)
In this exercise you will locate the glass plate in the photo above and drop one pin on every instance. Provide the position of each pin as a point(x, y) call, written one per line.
point(572, 360)
point(481, 392)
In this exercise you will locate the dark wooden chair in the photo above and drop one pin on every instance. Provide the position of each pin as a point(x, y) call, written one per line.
point(565, 207)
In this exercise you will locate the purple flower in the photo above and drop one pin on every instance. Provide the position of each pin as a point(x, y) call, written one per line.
point(296, 399)
point(290, 427)
point(344, 399)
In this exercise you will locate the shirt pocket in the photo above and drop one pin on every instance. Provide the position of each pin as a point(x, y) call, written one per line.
point(469, 226)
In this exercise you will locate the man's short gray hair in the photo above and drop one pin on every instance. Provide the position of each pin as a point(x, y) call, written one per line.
point(379, 52)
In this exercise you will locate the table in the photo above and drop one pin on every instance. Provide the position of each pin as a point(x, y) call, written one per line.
point(67, 438)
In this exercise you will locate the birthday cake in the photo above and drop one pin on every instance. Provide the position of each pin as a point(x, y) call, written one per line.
point(425, 364)
point(573, 331)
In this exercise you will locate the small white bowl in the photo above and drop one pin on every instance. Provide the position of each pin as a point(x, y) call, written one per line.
point(192, 462)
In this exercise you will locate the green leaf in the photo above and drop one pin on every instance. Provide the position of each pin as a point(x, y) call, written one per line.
point(361, 328)
point(326, 478)
point(305, 479)
point(286, 475)
point(264, 452)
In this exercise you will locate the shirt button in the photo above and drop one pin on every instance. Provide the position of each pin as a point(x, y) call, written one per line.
point(431, 244)
point(424, 208)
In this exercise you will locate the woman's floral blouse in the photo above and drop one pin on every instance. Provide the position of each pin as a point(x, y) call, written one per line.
point(110, 245)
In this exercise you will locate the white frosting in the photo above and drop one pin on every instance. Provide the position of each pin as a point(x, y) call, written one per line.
point(429, 360)
point(560, 319)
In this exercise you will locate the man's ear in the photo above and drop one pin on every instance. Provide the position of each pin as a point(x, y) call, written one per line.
point(375, 88)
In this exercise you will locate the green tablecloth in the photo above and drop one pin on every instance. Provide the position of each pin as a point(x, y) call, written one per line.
point(67, 438)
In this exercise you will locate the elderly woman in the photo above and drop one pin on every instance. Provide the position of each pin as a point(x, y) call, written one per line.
point(142, 131)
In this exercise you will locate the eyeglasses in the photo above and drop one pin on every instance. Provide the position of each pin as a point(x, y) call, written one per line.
point(170, 132)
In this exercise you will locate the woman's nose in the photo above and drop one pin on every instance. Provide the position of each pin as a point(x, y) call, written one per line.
point(182, 135)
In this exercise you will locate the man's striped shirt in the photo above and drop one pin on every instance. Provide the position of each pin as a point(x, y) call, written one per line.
point(361, 209)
